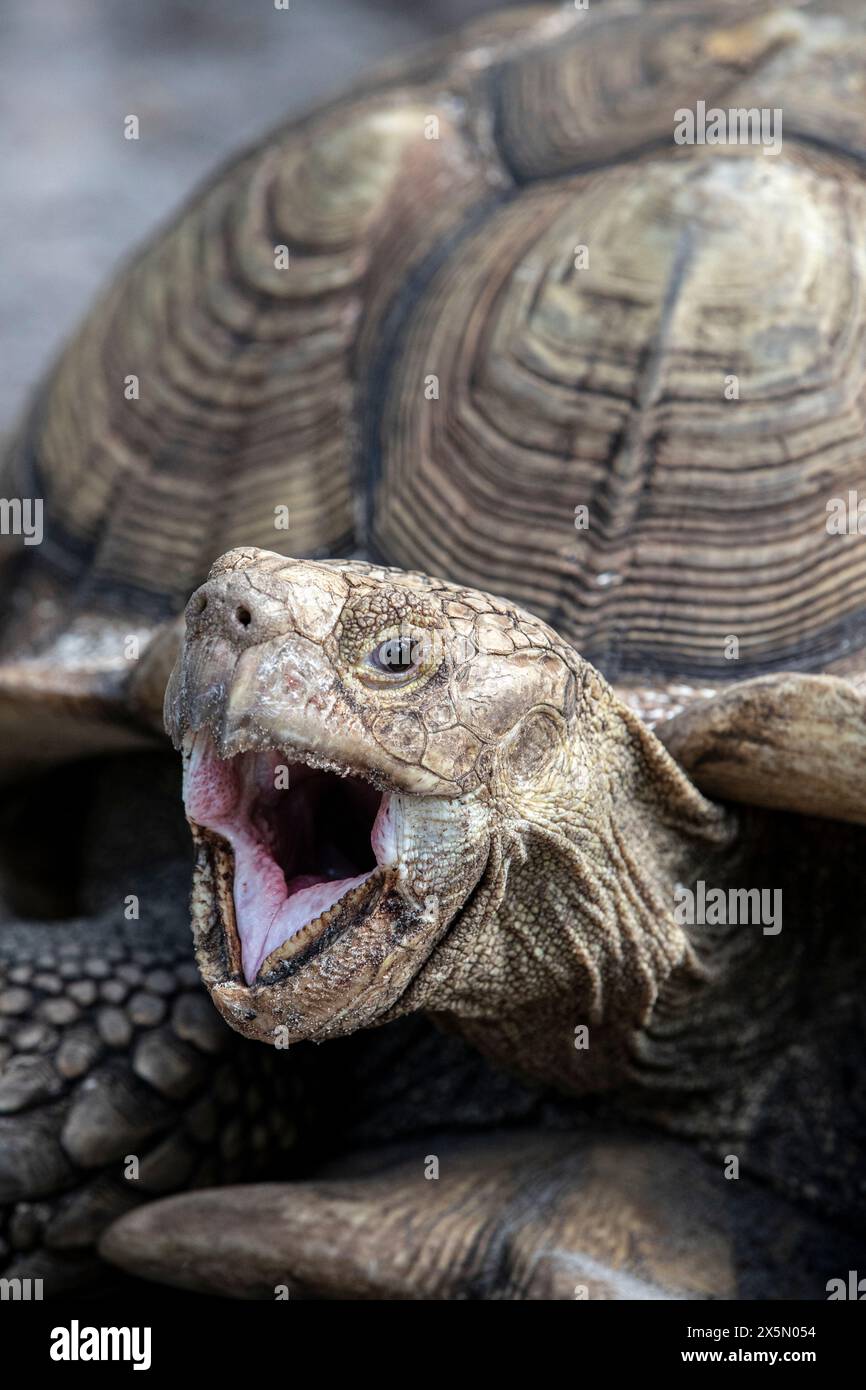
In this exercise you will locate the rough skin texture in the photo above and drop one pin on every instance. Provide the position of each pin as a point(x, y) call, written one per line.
point(534, 889)
point(541, 828)
point(599, 1214)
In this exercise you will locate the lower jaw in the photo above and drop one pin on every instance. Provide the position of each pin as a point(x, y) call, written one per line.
point(351, 911)
point(346, 971)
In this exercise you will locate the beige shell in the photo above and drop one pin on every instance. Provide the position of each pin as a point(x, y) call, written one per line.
point(484, 317)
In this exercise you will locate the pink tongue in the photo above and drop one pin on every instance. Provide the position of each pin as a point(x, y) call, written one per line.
point(266, 913)
point(267, 910)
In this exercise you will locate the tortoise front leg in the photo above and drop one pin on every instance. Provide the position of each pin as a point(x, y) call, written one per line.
point(507, 1216)
point(95, 691)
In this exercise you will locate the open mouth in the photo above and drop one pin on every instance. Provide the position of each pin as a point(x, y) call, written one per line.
point(306, 848)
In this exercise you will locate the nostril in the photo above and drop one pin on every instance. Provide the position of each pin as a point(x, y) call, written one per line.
point(244, 616)
point(199, 603)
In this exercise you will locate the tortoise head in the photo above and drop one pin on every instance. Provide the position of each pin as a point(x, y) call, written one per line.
point(365, 752)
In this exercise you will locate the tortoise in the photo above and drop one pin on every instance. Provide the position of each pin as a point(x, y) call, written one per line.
point(591, 801)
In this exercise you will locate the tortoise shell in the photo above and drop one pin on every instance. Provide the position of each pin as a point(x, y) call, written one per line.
point(486, 318)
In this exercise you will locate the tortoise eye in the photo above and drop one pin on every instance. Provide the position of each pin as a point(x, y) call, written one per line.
point(396, 656)
point(395, 660)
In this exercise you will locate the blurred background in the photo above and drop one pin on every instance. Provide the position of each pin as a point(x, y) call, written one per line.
point(205, 77)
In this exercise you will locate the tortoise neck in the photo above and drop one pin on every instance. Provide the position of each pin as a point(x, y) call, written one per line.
point(586, 925)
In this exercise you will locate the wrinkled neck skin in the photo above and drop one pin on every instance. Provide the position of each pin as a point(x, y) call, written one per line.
point(568, 949)
point(528, 846)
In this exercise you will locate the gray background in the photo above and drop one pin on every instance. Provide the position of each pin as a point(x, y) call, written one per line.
point(204, 77)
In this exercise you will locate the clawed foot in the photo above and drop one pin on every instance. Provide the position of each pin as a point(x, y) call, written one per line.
point(508, 1216)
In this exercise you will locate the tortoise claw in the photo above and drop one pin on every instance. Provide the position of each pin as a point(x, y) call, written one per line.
point(519, 1216)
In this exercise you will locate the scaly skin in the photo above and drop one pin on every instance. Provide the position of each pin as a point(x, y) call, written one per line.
point(528, 1215)
point(540, 828)
point(531, 892)
point(529, 889)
